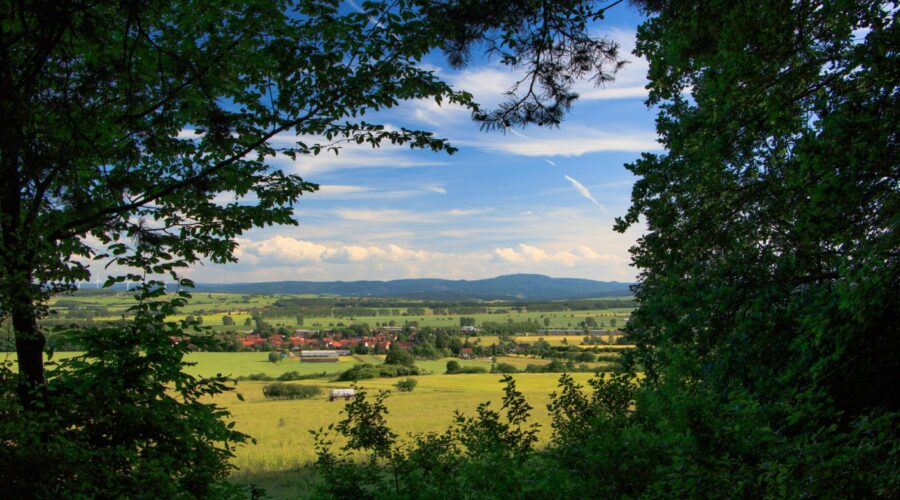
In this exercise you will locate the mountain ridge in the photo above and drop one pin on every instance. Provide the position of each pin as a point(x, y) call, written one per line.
point(505, 287)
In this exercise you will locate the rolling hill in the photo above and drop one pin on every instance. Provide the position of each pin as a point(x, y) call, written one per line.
point(510, 287)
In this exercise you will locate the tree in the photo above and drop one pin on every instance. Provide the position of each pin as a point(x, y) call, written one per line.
point(227, 320)
point(772, 257)
point(397, 355)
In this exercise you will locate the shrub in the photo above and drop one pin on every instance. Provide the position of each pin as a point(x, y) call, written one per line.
point(295, 375)
point(406, 385)
point(257, 376)
point(469, 369)
point(365, 371)
point(359, 372)
point(274, 356)
point(397, 370)
point(453, 366)
point(585, 357)
point(290, 391)
point(503, 368)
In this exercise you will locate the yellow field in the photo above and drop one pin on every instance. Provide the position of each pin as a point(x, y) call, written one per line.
point(281, 427)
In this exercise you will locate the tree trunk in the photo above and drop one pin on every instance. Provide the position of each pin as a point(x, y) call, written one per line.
point(29, 349)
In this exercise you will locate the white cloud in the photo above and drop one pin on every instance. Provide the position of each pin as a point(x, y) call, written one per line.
point(583, 191)
point(382, 215)
point(462, 212)
point(575, 142)
point(437, 189)
point(527, 254)
point(282, 249)
point(550, 162)
point(340, 190)
point(392, 215)
point(313, 260)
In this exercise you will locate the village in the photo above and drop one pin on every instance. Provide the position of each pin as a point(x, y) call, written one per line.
point(310, 345)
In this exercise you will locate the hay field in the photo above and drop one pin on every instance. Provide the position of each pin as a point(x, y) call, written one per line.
point(281, 428)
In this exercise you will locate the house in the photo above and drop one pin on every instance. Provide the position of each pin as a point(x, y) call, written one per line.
point(468, 329)
point(466, 353)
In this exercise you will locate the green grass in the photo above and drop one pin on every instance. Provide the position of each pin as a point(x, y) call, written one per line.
point(237, 364)
point(281, 427)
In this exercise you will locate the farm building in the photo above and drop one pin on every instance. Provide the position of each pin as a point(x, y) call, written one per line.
point(309, 353)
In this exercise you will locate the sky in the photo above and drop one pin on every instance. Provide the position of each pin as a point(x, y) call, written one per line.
point(526, 201)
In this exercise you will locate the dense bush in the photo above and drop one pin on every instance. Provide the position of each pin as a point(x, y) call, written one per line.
point(257, 376)
point(406, 385)
point(274, 357)
point(602, 444)
point(290, 391)
point(503, 368)
point(295, 375)
point(366, 371)
point(459, 369)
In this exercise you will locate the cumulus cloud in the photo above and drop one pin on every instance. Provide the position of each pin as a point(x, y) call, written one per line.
point(583, 191)
point(281, 251)
point(528, 254)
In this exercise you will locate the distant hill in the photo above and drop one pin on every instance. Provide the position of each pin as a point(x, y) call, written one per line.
point(511, 287)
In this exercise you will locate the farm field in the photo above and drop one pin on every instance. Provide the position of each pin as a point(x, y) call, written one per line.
point(281, 428)
point(213, 307)
point(284, 446)
point(278, 461)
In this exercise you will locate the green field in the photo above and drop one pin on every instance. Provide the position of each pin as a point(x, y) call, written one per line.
point(281, 428)
point(212, 307)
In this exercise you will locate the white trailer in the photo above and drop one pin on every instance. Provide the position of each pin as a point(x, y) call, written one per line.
point(341, 393)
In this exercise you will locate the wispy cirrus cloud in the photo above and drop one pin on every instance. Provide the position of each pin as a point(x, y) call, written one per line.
point(584, 192)
point(388, 215)
point(575, 141)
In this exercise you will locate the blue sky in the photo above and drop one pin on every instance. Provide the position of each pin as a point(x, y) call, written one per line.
point(528, 201)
